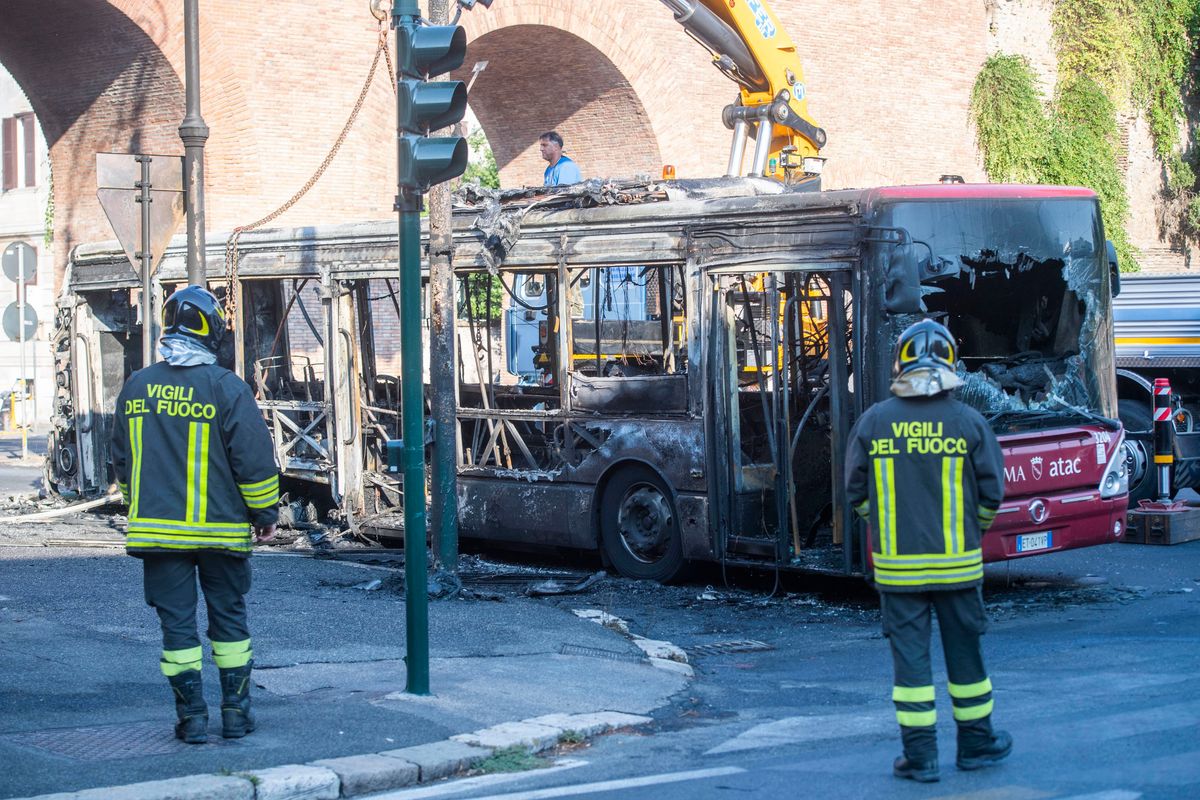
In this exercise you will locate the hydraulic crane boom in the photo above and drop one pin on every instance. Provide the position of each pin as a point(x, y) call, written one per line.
point(750, 46)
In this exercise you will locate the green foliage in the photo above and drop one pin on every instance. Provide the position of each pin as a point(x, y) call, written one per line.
point(480, 292)
point(1009, 118)
point(1112, 55)
point(1081, 150)
point(1097, 38)
point(1071, 142)
point(511, 759)
point(1161, 67)
point(482, 169)
point(48, 237)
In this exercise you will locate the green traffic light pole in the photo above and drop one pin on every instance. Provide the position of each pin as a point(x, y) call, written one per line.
point(405, 15)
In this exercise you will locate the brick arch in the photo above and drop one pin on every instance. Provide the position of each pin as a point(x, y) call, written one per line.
point(575, 90)
point(96, 82)
point(106, 76)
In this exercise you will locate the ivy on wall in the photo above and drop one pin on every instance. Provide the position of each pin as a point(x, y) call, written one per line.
point(1071, 140)
point(1113, 56)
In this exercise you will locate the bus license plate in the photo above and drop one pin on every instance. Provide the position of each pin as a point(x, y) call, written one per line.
point(1029, 542)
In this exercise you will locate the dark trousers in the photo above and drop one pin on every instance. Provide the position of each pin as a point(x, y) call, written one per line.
point(170, 586)
point(962, 620)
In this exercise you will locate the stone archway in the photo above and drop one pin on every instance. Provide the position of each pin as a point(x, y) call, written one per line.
point(541, 78)
point(96, 81)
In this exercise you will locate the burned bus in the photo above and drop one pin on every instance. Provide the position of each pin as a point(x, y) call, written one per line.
point(697, 355)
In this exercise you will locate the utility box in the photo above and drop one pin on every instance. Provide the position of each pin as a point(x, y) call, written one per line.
point(1157, 527)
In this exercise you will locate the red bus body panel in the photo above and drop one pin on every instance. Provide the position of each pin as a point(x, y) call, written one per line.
point(1056, 473)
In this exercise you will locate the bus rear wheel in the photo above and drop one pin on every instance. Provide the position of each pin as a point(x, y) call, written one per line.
point(639, 529)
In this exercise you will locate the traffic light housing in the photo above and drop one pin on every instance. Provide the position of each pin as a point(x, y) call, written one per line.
point(423, 105)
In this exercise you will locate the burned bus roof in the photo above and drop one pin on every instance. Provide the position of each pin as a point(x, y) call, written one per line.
point(524, 228)
point(980, 191)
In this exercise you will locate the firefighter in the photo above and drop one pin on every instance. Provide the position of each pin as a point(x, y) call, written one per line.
point(927, 474)
point(195, 462)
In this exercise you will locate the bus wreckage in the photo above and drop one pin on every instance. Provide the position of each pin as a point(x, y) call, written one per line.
point(663, 372)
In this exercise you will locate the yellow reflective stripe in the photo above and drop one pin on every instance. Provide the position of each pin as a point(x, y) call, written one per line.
point(972, 712)
point(176, 536)
point(197, 472)
point(204, 433)
point(885, 483)
point(190, 507)
point(267, 503)
point(152, 523)
point(947, 507)
point(863, 508)
point(189, 546)
point(965, 691)
point(960, 530)
point(230, 655)
point(135, 461)
point(917, 560)
point(265, 483)
point(916, 719)
point(990, 513)
point(176, 661)
point(912, 694)
point(917, 577)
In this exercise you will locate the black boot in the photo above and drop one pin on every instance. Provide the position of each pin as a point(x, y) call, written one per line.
point(986, 753)
point(192, 726)
point(922, 771)
point(236, 718)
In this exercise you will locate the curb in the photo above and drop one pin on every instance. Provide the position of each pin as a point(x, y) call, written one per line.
point(350, 776)
point(660, 654)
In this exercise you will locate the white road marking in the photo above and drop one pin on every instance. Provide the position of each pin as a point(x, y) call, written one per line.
point(1111, 794)
point(1136, 723)
point(617, 785)
point(478, 782)
point(791, 730)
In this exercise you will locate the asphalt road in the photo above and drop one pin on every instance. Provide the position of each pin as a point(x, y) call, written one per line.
point(20, 475)
point(1093, 654)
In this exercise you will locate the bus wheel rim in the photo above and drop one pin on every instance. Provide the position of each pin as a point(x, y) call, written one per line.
point(644, 523)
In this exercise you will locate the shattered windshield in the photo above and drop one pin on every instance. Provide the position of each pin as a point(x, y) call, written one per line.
point(1023, 285)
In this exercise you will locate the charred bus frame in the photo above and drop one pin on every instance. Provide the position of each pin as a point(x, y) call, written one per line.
point(711, 428)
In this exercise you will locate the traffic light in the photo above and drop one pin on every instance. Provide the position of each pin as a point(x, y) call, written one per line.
point(423, 105)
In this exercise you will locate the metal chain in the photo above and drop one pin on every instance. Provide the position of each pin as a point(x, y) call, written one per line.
point(231, 244)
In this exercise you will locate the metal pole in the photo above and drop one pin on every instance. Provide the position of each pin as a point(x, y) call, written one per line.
point(443, 375)
point(1164, 452)
point(737, 150)
point(146, 258)
point(762, 145)
point(194, 134)
point(412, 384)
point(21, 318)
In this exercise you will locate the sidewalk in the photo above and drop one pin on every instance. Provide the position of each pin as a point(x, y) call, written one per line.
point(83, 705)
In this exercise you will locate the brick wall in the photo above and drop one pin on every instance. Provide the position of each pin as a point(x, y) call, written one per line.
point(889, 81)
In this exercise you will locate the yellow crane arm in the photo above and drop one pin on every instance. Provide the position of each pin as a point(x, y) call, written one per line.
point(752, 48)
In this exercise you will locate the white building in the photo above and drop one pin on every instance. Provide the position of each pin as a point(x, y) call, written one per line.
point(24, 194)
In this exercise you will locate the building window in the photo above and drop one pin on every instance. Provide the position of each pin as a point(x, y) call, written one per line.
point(19, 143)
point(30, 143)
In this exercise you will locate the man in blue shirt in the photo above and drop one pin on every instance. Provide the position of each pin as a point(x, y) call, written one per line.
point(562, 169)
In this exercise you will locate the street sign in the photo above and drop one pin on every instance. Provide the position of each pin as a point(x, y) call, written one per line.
point(118, 176)
point(12, 321)
point(20, 262)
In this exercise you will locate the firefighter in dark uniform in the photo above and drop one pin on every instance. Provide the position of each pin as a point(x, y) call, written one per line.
point(196, 465)
point(927, 474)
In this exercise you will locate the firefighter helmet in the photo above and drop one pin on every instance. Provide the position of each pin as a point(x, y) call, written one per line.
point(924, 345)
point(196, 313)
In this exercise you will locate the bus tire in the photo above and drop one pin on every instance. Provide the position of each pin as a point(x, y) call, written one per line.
point(639, 529)
point(1139, 455)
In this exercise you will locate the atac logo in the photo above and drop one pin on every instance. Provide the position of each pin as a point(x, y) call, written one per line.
point(1035, 466)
